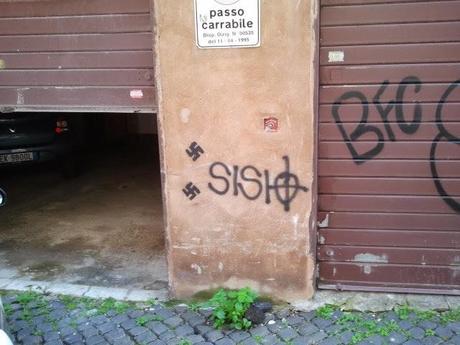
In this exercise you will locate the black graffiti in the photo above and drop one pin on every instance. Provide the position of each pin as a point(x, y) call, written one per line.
point(443, 134)
point(406, 125)
point(194, 151)
point(285, 186)
point(384, 111)
point(363, 128)
point(191, 191)
point(412, 127)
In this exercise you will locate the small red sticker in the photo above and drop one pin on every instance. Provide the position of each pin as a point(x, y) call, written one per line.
point(271, 124)
point(136, 94)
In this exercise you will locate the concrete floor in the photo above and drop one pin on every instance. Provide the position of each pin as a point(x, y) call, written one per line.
point(103, 228)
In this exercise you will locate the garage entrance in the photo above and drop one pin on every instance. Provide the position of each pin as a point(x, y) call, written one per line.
point(389, 150)
point(101, 226)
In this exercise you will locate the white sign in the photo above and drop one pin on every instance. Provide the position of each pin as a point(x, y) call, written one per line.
point(227, 23)
point(336, 56)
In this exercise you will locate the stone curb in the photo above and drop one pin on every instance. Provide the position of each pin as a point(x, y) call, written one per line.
point(377, 302)
point(134, 295)
point(359, 301)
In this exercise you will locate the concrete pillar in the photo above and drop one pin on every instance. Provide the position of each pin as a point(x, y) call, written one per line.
point(252, 222)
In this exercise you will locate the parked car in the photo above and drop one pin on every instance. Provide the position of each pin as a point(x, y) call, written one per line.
point(4, 338)
point(29, 138)
point(2, 197)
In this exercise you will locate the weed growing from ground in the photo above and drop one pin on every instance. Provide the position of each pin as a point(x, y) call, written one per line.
point(185, 342)
point(73, 324)
point(426, 314)
point(152, 302)
point(143, 320)
point(326, 311)
point(29, 300)
point(112, 304)
point(53, 323)
point(258, 339)
point(452, 315)
point(26, 315)
point(363, 327)
point(429, 333)
point(89, 303)
point(196, 306)
point(101, 307)
point(37, 333)
point(70, 302)
point(403, 312)
point(26, 297)
point(8, 309)
point(230, 306)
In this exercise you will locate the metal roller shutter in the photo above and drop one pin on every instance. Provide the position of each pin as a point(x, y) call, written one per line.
point(76, 55)
point(389, 146)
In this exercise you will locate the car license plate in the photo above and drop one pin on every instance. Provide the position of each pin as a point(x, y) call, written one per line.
point(17, 157)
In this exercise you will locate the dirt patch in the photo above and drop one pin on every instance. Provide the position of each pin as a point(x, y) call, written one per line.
point(43, 270)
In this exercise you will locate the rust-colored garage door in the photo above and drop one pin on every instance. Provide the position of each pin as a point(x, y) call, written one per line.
point(389, 145)
point(76, 55)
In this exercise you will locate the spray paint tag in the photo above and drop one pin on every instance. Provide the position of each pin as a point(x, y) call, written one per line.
point(136, 94)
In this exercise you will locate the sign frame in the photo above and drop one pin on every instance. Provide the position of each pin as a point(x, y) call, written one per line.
point(259, 36)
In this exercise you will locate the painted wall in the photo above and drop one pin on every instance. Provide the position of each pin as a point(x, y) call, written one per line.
point(239, 204)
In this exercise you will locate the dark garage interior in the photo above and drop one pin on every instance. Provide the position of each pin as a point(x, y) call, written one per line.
point(92, 218)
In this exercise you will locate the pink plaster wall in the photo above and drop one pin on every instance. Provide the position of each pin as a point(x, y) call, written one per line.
point(219, 99)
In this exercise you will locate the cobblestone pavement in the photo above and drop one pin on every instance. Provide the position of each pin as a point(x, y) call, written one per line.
point(52, 320)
